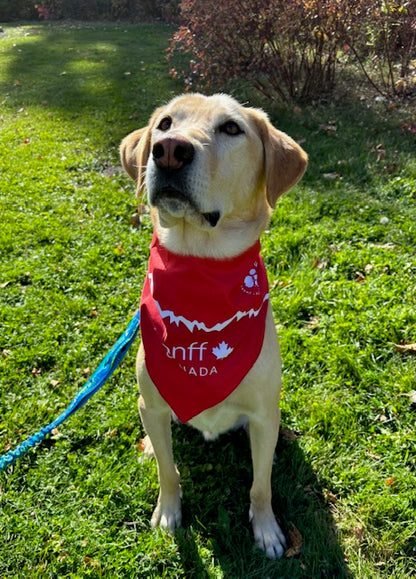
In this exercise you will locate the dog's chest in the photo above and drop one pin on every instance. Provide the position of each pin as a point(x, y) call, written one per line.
point(202, 325)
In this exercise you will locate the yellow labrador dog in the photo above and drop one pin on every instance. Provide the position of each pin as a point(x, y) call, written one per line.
point(213, 171)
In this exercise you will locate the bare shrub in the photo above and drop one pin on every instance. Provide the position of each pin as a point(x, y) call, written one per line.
point(292, 49)
point(381, 37)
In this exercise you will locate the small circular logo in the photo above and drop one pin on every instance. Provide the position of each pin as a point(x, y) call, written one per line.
point(251, 281)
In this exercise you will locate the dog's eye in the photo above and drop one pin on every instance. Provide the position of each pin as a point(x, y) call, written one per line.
point(230, 128)
point(165, 124)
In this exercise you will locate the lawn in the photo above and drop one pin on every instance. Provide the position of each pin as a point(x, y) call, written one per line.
point(341, 259)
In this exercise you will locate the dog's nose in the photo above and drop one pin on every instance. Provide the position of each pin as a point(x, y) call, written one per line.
point(173, 153)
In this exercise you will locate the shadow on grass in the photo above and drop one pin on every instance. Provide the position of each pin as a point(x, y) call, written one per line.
point(216, 478)
point(351, 143)
point(86, 70)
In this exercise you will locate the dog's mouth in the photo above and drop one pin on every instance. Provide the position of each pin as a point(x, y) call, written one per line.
point(212, 217)
point(178, 204)
point(172, 200)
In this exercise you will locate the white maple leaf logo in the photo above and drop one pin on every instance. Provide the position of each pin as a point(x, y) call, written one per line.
point(222, 351)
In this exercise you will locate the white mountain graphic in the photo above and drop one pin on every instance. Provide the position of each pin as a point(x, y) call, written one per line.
point(192, 325)
point(222, 350)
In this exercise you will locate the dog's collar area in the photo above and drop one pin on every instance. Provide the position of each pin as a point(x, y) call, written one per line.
point(213, 217)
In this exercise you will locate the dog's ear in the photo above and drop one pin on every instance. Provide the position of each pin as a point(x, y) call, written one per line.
point(285, 161)
point(134, 153)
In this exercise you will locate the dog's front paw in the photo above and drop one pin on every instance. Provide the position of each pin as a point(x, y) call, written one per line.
point(167, 514)
point(267, 534)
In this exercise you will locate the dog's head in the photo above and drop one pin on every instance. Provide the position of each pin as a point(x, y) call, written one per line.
point(209, 160)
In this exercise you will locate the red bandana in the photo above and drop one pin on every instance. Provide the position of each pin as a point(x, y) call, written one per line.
point(202, 325)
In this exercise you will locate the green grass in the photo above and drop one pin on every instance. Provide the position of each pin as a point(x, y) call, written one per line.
point(342, 264)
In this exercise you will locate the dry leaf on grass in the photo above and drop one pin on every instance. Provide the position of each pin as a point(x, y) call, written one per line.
point(329, 129)
point(406, 348)
point(295, 541)
point(332, 176)
point(141, 446)
point(288, 435)
point(411, 395)
point(319, 263)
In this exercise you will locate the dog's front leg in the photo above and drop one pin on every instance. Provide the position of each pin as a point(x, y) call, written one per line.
point(263, 440)
point(157, 424)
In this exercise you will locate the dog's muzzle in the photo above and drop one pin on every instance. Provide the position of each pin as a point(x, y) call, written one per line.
point(168, 189)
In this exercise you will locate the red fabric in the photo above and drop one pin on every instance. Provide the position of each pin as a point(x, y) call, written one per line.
point(202, 325)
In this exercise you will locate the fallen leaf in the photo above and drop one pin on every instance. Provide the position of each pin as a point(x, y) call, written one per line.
point(391, 168)
point(332, 176)
point(410, 127)
point(406, 348)
point(288, 435)
point(135, 220)
point(141, 446)
point(381, 152)
point(389, 481)
point(55, 382)
point(119, 249)
point(143, 209)
point(411, 395)
point(112, 433)
point(373, 456)
point(358, 531)
point(86, 371)
point(313, 323)
point(295, 541)
point(17, 83)
point(329, 129)
point(6, 353)
point(330, 497)
point(384, 245)
point(112, 170)
point(319, 263)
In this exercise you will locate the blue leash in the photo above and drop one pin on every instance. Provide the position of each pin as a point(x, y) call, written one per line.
point(98, 379)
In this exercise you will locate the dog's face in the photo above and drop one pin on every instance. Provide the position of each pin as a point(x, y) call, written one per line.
point(209, 160)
